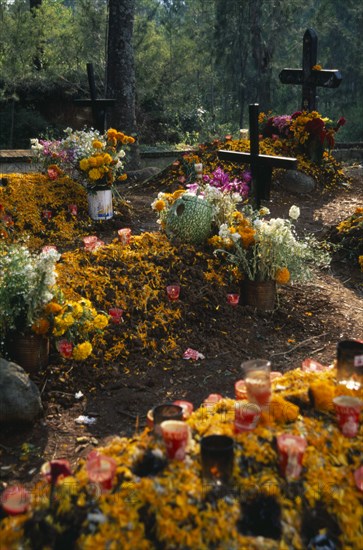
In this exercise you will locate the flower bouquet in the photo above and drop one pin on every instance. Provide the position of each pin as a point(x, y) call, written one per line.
point(92, 159)
point(306, 131)
point(266, 250)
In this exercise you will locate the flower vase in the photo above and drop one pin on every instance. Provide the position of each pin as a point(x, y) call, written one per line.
point(30, 351)
point(259, 294)
point(100, 204)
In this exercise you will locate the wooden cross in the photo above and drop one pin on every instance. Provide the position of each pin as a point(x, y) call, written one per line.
point(261, 165)
point(98, 106)
point(307, 77)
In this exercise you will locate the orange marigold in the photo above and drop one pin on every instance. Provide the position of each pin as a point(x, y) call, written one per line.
point(282, 276)
point(41, 326)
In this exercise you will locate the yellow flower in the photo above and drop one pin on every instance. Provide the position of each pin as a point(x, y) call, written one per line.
point(82, 351)
point(95, 174)
point(316, 68)
point(100, 321)
point(282, 276)
point(83, 164)
point(123, 177)
point(41, 326)
point(107, 159)
point(159, 205)
point(111, 133)
point(52, 307)
point(97, 144)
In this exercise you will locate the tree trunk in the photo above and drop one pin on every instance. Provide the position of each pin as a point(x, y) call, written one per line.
point(120, 71)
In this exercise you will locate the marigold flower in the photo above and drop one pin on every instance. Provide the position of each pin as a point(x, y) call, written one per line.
point(123, 177)
point(84, 164)
point(82, 351)
point(95, 174)
point(282, 276)
point(41, 326)
point(53, 307)
point(112, 133)
point(100, 321)
point(97, 144)
point(159, 205)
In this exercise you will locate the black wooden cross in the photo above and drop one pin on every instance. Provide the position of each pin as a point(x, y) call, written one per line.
point(261, 165)
point(98, 105)
point(307, 77)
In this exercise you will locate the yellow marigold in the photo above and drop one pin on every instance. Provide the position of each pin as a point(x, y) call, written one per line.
point(83, 164)
point(159, 205)
point(178, 193)
point(95, 174)
point(216, 241)
point(97, 144)
point(112, 133)
point(316, 68)
point(68, 320)
point(92, 162)
point(107, 159)
point(247, 237)
point(82, 351)
point(77, 310)
point(100, 321)
point(282, 276)
point(123, 177)
point(358, 210)
point(41, 326)
point(130, 139)
point(281, 410)
point(322, 394)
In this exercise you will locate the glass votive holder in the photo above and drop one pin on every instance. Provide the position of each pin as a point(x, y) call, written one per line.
point(101, 469)
point(347, 410)
point(256, 374)
point(124, 235)
point(15, 500)
point(73, 209)
point(240, 390)
point(233, 299)
point(291, 450)
point(173, 292)
point(175, 435)
point(217, 456)
point(246, 416)
point(187, 407)
point(116, 315)
point(47, 214)
point(166, 411)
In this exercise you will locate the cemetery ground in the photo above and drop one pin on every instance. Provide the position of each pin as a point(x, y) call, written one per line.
point(307, 322)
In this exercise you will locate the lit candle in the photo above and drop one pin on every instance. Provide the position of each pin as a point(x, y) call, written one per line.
point(124, 235)
point(291, 450)
point(233, 299)
point(173, 292)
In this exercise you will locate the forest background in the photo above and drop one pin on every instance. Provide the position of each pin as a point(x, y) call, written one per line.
point(198, 64)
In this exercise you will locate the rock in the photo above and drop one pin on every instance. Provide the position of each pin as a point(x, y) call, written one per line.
point(297, 182)
point(143, 174)
point(20, 400)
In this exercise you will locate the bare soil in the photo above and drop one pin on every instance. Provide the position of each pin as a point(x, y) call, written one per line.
point(308, 322)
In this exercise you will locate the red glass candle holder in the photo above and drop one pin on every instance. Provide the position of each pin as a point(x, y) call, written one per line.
point(175, 435)
point(73, 209)
point(167, 411)
point(15, 500)
point(233, 299)
point(47, 214)
point(186, 406)
point(240, 390)
point(256, 373)
point(101, 469)
point(173, 292)
point(291, 450)
point(348, 409)
point(247, 416)
point(116, 315)
point(124, 235)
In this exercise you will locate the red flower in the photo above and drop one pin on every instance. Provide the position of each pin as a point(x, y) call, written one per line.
point(341, 121)
point(296, 114)
point(65, 348)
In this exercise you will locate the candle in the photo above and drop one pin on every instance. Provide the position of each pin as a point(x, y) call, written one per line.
point(198, 170)
point(73, 209)
point(175, 435)
point(173, 292)
point(53, 469)
point(243, 133)
point(233, 299)
point(47, 214)
point(15, 500)
point(291, 450)
point(124, 235)
point(348, 411)
point(186, 406)
point(240, 390)
point(101, 469)
point(217, 455)
point(247, 416)
point(116, 315)
point(166, 411)
point(257, 379)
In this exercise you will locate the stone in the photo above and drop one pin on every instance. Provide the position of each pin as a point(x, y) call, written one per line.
point(20, 400)
point(297, 182)
point(142, 175)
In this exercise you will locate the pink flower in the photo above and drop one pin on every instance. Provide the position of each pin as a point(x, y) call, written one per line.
point(65, 348)
point(52, 174)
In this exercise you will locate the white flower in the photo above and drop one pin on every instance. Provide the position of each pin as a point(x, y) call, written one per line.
point(264, 211)
point(294, 212)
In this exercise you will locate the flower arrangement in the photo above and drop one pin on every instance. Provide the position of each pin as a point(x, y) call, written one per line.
point(222, 193)
point(73, 325)
point(308, 131)
point(268, 249)
point(27, 283)
point(93, 159)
